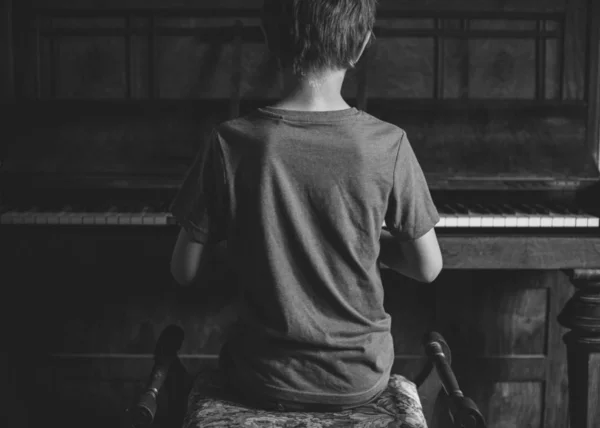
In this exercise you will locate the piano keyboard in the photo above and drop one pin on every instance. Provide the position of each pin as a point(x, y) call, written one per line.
point(514, 216)
point(451, 216)
point(113, 216)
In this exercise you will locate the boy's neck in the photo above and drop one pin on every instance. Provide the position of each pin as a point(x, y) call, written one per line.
point(320, 92)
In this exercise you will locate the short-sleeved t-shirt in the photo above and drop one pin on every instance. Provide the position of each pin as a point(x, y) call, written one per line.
point(301, 198)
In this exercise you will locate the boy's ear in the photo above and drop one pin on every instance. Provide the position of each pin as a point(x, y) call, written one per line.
point(363, 47)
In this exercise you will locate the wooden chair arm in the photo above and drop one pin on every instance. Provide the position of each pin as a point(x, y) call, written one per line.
point(143, 411)
point(463, 411)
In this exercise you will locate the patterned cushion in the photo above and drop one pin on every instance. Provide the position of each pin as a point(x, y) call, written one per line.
point(209, 407)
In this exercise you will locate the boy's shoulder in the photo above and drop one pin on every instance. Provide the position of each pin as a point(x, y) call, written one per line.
point(242, 124)
point(387, 127)
point(256, 125)
point(256, 121)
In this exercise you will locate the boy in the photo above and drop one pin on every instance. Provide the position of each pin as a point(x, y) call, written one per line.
point(300, 190)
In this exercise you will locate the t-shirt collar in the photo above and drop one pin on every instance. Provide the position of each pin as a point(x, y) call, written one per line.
point(309, 116)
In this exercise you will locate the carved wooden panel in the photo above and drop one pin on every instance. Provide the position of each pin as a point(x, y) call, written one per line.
point(418, 74)
point(99, 57)
point(508, 352)
point(515, 404)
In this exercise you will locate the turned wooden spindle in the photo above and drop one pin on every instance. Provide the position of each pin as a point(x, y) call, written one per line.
point(581, 315)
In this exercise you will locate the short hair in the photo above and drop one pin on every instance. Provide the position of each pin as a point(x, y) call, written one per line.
point(311, 36)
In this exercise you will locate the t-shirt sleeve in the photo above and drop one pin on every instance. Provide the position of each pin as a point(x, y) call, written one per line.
point(411, 212)
point(199, 206)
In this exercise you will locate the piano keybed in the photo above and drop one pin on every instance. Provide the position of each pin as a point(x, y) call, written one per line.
point(452, 215)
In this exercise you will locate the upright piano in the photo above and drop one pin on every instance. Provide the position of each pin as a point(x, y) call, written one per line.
point(104, 120)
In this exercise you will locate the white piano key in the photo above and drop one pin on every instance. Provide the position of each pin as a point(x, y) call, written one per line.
point(88, 219)
point(511, 221)
point(535, 221)
point(545, 221)
point(8, 217)
point(124, 219)
point(59, 217)
point(76, 218)
point(17, 217)
point(475, 221)
point(487, 221)
point(112, 219)
point(29, 217)
point(99, 218)
point(65, 218)
point(463, 221)
point(171, 220)
point(135, 219)
point(570, 221)
point(52, 218)
point(558, 221)
point(522, 221)
point(594, 222)
point(160, 219)
point(499, 221)
point(442, 222)
point(149, 219)
point(451, 221)
point(42, 218)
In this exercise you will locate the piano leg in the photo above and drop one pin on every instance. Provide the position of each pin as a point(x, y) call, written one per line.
point(581, 315)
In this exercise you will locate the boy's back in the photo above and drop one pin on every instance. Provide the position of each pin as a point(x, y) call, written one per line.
point(300, 191)
point(303, 196)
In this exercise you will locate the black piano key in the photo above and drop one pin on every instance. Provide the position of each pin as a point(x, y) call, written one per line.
point(497, 210)
point(471, 209)
point(529, 209)
point(462, 208)
point(542, 209)
point(520, 209)
point(447, 209)
point(482, 210)
point(459, 208)
point(559, 209)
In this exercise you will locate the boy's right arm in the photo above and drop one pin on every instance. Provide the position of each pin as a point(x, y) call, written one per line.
point(420, 259)
point(410, 246)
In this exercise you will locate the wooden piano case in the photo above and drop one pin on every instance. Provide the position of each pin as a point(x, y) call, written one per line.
point(110, 101)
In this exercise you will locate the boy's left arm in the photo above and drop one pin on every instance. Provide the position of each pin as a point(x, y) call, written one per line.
point(199, 209)
point(189, 258)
